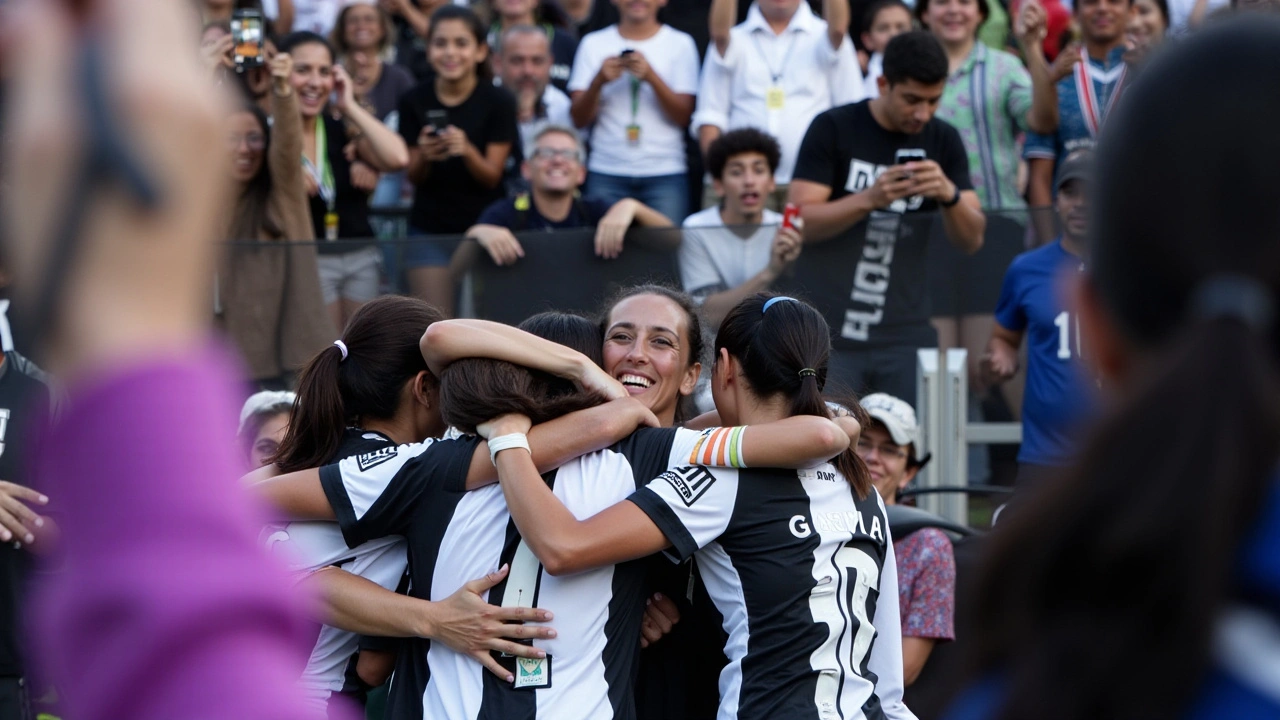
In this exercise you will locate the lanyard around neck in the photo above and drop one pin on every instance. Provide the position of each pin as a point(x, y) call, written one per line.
point(321, 171)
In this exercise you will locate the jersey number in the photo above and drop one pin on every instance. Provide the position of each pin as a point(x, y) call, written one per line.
point(844, 606)
point(1066, 325)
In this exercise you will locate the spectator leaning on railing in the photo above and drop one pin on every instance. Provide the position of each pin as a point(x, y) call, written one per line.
point(555, 173)
point(776, 72)
point(268, 292)
point(344, 148)
point(634, 83)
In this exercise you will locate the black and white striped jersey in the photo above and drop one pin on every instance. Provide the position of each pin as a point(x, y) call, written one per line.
point(796, 564)
point(308, 546)
point(456, 536)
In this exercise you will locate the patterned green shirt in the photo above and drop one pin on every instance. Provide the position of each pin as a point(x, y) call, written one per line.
point(987, 99)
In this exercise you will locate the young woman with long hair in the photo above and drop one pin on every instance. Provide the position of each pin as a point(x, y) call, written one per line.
point(1143, 582)
point(268, 295)
point(795, 561)
point(460, 129)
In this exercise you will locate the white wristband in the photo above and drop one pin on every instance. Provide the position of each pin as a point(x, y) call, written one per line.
point(507, 442)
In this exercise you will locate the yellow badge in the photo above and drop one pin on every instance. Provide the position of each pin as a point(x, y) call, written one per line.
point(633, 134)
point(331, 226)
point(774, 98)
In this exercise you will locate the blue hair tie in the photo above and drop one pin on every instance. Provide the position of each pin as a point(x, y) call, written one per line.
point(773, 300)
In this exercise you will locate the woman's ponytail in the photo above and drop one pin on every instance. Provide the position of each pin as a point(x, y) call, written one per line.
point(319, 416)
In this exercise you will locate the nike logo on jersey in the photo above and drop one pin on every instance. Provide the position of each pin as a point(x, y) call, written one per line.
point(690, 482)
point(375, 458)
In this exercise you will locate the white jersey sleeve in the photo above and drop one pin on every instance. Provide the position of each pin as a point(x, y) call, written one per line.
point(692, 505)
point(377, 494)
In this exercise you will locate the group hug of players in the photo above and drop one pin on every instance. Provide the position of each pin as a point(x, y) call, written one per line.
point(551, 466)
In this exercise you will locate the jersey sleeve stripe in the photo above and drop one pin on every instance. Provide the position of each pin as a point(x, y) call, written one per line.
point(697, 447)
point(665, 518)
point(336, 492)
point(735, 448)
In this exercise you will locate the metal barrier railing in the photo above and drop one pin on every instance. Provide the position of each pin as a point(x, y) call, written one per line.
point(942, 397)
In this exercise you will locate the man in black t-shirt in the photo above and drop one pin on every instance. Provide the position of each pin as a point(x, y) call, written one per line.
point(555, 173)
point(867, 215)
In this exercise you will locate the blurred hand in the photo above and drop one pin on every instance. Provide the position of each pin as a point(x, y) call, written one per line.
point(1032, 25)
point(1065, 63)
point(998, 365)
point(611, 70)
point(281, 66)
point(511, 423)
point(928, 180)
point(660, 616)
point(344, 88)
point(17, 520)
point(526, 104)
point(787, 243)
point(501, 245)
point(612, 229)
point(433, 146)
point(364, 177)
point(636, 64)
point(216, 53)
point(135, 288)
point(892, 185)
point(455, 141)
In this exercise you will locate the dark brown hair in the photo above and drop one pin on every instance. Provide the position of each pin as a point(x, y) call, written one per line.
point(334, 393)
point(774, 347)
point(1100, 595)
point(253, 216)
point(476, 390)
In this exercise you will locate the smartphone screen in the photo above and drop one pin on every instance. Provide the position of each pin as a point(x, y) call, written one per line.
point(438, 119)
point(246, 34)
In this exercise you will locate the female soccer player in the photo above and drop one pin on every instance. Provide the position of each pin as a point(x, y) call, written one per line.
point(795, 561)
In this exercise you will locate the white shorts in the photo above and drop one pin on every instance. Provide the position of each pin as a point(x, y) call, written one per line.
point(351, 276)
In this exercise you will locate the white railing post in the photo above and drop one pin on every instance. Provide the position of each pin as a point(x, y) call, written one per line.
point(929, 413)
point(954, 462)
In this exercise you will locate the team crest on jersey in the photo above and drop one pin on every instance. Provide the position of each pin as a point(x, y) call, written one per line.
point(533, 673)
point(690, 483)
point(375, 458)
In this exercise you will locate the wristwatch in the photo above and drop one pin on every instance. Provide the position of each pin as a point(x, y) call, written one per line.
point(952, 202)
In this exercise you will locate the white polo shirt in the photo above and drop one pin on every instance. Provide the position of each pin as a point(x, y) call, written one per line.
point(660, 148)
point(556, 105)
point(813, 76)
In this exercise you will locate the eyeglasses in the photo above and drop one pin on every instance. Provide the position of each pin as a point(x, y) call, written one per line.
point(546, 153)
point(886, 450)
point(256, 141)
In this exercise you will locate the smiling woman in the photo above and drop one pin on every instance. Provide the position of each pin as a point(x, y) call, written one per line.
point(653, 345)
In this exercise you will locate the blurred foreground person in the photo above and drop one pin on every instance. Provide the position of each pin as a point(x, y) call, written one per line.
point(164, 602)
point(1147, 583)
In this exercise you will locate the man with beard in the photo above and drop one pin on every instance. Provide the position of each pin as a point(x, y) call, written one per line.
point(523, 63)
point(1058, 394)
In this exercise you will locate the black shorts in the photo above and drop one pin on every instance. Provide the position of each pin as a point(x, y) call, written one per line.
point(962, 284)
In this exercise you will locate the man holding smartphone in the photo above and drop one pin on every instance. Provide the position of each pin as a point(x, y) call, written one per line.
point(870, 179)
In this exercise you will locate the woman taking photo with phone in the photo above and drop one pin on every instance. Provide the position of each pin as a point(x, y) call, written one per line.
point(460, 130)
point(795, 560)
point(344, 149)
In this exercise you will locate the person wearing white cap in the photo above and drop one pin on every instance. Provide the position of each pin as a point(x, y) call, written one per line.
point(264, 419)
point(926, 560)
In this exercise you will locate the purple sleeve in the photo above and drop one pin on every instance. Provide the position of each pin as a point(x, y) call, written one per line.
point(928, 604)
point(163, 603)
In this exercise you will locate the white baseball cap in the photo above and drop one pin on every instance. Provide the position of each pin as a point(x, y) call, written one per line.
point(898, 418)
point(263, 401)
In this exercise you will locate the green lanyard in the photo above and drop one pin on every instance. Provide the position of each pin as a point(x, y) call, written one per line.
point(635, 98)
point(323, 174)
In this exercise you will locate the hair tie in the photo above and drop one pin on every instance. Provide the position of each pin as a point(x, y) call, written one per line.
point(1237, 297)
point(808, 372)
point(342, 347)
point(769, 303)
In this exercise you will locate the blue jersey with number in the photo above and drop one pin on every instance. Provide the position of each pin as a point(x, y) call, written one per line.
point(1058, 395)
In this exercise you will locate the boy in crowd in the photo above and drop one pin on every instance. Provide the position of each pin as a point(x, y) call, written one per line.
point(738, 247)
